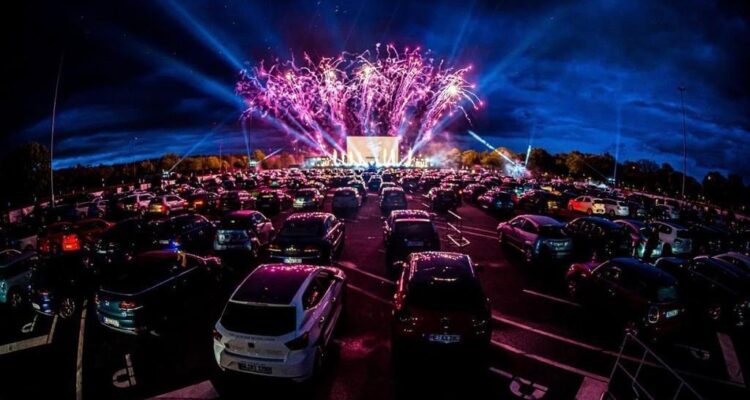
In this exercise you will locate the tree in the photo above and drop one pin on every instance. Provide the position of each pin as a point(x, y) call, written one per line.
point(212, 163)
point(258, 155)
point(541, 161)
point(168, 161)
point(715, 187)
point(470, 157)
point(575, 164)
point(26, 173)
point(453, 157)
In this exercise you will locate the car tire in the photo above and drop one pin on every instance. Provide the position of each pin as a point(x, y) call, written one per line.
point(67, 307)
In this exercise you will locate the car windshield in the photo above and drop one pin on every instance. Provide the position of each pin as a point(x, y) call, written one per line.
point(258, 319)
point(302, 228)
point(666, 293)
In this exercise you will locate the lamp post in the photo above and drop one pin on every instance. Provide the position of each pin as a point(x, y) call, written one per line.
point(52, 132)
point(684, 140)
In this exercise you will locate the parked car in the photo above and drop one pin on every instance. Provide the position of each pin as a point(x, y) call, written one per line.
point(141, 295)
point(442, 199)
point(15, 274)
point(712, 287)
point(665, 212)
point(272, 201)
point(19, 236)
point(497, 201)
point(393, 199)
point(345, 199)
point(361, 188)
point(134, 204)
point(246, 231)
point(121, 242)
point(597, 236)
point(709, 238)
point(409, 183)
point(409, 235)
point(386, 185)
point(537, 237)
point(739, 260)
point(639, 231)
point(311, 237)
point(280, 321)
point(59, 238)
point(308, 199)
point(202, 202)
point(587, 204)
point(439, 304)
point(616, 208)
point(540, 202)
point(235, 200)
point(59, 286)
point(472, 192)
point(190, 232)
point(675, 238)
point(641, 296)
point(374, 183)
point(397, 215)
point(166, 205)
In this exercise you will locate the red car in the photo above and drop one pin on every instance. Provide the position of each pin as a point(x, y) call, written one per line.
point(68, 237)
point(439, 304)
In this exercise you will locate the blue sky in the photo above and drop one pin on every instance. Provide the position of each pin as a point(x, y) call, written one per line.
point(142, 78)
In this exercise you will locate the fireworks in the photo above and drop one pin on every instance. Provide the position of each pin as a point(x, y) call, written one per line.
point(367, 94)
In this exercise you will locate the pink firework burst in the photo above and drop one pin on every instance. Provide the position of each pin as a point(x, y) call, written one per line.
point(366, 94)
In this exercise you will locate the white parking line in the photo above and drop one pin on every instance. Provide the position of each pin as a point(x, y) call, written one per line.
point(31, 342)
point(79, 356)
point(473, 228)
point(591, 389)
point(202, 390)
point(352, 267)
point(550, 297)
point(547, 361)
point(734, 369)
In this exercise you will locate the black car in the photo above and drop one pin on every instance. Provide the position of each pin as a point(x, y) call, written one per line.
point(393, 199)
point(598, 237)
point(122, 241)
point(643, 297)
point(202, 202)
point(496, 201)
point(374, 183)
point(540, 202)
point(409, 235)
point(443, 199)
point(709, 239)
point(712, 287)
point(308, 238)
point(272, 201)
point(472, 192)
point(361, 188)
point(409, 183)
point(140, 295)
point(235, 200)
point(193, 233)
point(59, 286)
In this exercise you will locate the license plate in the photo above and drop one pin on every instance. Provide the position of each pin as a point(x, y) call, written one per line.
point(112, 322)
point(292, 260)
point(671, 313)
point(258, 369)
point(36, 306)
point(444, 338)
point(164, 242)
point(414, 243)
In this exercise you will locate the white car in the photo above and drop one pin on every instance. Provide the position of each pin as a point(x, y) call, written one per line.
point(616, 208)
point(587, 204)
point(675, 238)
point(280, 321)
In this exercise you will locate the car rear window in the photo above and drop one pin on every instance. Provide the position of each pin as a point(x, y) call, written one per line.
point(448, 295)
point(344, 193)
point(666, 293)
point(393, 194)
point(410, 229)
point(301, 228)
point(259, 320)
point(552, 231)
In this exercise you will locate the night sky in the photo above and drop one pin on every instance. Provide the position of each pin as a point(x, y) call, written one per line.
point(141, 78)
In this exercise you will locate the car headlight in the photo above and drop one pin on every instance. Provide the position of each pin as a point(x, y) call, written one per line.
point(3, 286)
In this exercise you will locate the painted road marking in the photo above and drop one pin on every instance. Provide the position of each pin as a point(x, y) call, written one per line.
point(734, 369)
point(202, 390)
point(553, 298)
point(31, 342)
point(697, 353)
point(547, 361)
point(527, 390)
point(368, 294)
point(29, 327)
point(351, 266)
point(79, 356)
point(124, 378)
point(591, 389)
point(473, 228)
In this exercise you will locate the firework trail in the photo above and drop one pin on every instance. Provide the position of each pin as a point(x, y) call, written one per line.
point(367, 94)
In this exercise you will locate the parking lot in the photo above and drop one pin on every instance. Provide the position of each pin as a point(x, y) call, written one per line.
point(544, 344)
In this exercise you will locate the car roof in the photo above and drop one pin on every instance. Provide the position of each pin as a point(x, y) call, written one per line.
point(309, 216)
point(670, 224)
point(541, 219)
point(273, 284)
point(645, 270)
point(242, 213)
point(409, 213)
point(601, 221)
point(739, 256)
point(726, 266)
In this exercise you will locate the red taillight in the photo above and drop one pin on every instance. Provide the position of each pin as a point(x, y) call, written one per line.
point(71, 243)
point(217, 335)
point(96, 299)
point(299, 343)
point(128, 305)
point(198, 203)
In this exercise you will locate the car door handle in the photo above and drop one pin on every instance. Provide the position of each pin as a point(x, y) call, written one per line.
point(321, 321)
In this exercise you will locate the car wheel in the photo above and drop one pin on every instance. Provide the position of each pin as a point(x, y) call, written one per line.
point(67, 307)
point(528, 255)
point(15, 299)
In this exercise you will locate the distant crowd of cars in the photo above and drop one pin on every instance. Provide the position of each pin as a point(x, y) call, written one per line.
point(142, 256)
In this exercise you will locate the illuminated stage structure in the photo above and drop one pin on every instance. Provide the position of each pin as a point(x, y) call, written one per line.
point(381, 151)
